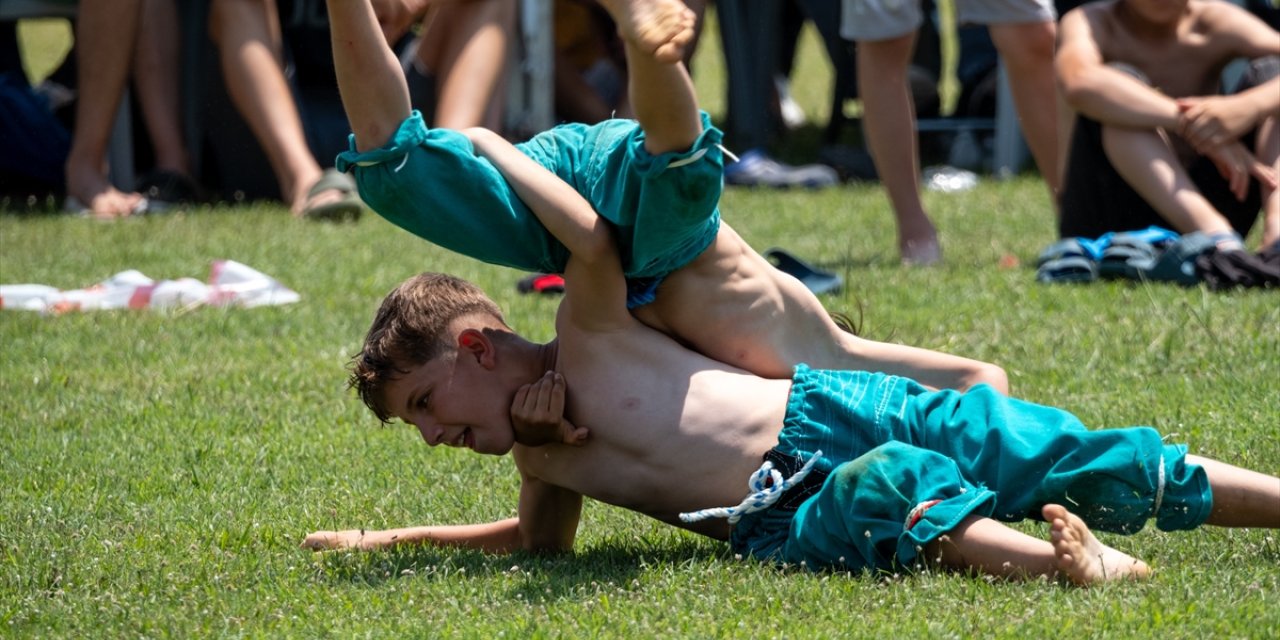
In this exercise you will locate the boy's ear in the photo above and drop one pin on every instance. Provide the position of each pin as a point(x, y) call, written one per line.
point(474, 343)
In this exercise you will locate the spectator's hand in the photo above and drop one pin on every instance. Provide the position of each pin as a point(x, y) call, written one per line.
point(1237, 166)
point(396, 16)
point(537, 414)
point(1212, 121)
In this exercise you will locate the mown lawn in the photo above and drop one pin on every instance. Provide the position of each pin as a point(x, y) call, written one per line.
point(157, 470)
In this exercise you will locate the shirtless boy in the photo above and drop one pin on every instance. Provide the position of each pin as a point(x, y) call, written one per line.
point(1153, 142)
point(657, 182)
point(919, 475)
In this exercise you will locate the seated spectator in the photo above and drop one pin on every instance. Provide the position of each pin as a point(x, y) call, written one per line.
point(590, 69)
point(457, 66)
point(1153, 143)
point(248, 34)
point(149, 31)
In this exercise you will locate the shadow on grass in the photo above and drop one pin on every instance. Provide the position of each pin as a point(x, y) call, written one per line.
point(539, 577)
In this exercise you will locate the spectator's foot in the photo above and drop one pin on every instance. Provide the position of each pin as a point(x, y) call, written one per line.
point(332, 198)
point(661, 28)
point(921, 252)
point(90, 193)
point(789, 110)
point(164, 188)
point(756, 169)
point(1081, 558)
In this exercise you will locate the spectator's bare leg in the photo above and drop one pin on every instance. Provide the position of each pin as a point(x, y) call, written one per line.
point(1241, 498)
point(374, 92)
point(155, 76)
point(1027, 52)
point(103, 64)
point(1145, 159)
point(1268, 151)
point(466, 45)
point(247, 33)
point(890, 129)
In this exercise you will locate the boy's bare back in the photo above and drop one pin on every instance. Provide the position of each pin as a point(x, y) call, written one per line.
point(671, 430)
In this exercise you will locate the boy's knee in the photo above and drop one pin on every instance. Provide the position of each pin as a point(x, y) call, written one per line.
point(991, 375)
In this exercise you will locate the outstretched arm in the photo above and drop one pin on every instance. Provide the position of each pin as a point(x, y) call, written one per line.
point(492, 537)
point(547, 521)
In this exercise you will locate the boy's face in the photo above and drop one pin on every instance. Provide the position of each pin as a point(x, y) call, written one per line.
point(457, 401)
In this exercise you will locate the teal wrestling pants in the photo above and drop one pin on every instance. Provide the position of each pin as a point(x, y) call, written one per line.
point(664, 207)
point(903, 465)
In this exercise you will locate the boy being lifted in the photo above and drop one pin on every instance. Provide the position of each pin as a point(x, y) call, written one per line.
point(657, 181)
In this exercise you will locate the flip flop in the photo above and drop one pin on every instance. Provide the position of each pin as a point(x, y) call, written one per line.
point(541, 283)
point(817, 280)
point(1178, 262)
point(347, 208)
point(75, 207)
point(1067, 260)
point(1130, 252)
point(164, 188)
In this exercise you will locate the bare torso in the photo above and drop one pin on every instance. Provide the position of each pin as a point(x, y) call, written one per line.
point(671, 430)
point(1183, 59)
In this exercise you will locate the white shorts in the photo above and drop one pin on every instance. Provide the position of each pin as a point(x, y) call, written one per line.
point(886, 19)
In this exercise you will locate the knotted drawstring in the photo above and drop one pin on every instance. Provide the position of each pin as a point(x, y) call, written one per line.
point(763, 495)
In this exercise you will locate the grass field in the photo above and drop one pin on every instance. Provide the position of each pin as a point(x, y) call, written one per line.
point(158, 470)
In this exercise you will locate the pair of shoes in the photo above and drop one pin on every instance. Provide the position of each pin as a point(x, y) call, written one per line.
point(755, 169)
point(1068, 260)
point(346, 208)
point(541, 283)
point(1129, 254)
point(817, 280)
point(163, 189)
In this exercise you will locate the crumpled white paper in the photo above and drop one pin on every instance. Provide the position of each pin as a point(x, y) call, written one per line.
point(231, 284)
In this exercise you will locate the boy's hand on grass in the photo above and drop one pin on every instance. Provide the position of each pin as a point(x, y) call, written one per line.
point(332, 540)
point(537, 414)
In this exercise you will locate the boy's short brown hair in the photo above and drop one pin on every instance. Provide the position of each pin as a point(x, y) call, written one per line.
point(409, 330)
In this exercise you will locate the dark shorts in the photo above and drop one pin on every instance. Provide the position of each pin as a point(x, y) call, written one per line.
point(1096, 199)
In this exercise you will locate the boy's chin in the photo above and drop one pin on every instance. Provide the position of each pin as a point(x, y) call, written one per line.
point(499, 448)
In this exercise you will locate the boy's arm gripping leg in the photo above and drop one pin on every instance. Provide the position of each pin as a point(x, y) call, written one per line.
point(374, 92)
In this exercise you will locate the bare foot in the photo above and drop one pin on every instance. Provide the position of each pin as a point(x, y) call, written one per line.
point(661, 28)
point(1081, 558)
point(92, 192)
point(921, 253)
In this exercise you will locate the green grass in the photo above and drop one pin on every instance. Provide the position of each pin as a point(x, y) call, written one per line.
point(158, 470)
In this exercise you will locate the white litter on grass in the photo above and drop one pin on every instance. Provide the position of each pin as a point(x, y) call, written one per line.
point(230, 284)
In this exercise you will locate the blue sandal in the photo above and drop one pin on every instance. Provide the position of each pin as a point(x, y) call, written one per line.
point(1067, 260)
point(817, 280)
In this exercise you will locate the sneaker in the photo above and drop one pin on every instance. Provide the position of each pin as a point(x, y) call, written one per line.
point(791, 112)
point(755, 169)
